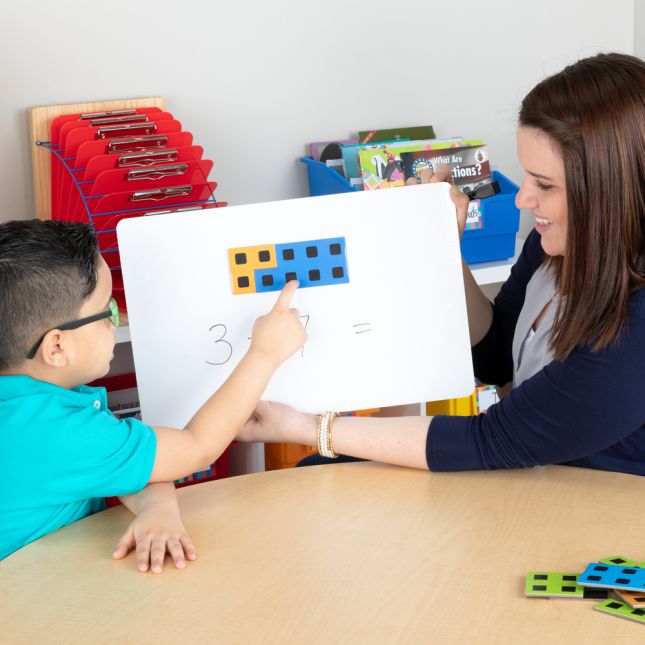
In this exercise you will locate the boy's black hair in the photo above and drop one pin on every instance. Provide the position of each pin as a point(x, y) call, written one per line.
point(47, 270)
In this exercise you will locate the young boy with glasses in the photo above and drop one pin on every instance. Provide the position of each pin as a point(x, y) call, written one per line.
point(61, 450)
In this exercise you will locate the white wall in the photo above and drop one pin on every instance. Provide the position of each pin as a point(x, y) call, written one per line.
point(639, 28)
point(255, 81)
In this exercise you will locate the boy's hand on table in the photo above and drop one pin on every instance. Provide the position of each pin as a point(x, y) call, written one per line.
point(156, 530)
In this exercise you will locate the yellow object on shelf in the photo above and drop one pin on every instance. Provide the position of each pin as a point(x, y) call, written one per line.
point(284, 455)
point(464, 407)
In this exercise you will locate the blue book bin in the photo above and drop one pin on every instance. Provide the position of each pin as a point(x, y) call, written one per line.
point(500, 218)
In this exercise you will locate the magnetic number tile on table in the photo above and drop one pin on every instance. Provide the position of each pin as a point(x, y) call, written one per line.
point(635, 599)
point(314, 263)
point(541, 584)
point(613, 576)
point(622, 561)
point(622, 610)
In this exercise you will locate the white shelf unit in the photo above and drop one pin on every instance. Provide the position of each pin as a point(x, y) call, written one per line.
point(484, 273)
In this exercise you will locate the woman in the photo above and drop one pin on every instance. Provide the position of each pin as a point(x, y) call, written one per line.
point(568, 326)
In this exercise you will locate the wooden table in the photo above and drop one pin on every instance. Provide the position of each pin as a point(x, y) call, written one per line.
point(349, 553)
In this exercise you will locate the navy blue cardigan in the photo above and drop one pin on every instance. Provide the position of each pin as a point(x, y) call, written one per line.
point(588, 410)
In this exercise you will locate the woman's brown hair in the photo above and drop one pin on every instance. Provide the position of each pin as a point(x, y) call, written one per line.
point(594, 111)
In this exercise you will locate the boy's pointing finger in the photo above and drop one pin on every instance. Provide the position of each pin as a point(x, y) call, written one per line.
point(284, 299)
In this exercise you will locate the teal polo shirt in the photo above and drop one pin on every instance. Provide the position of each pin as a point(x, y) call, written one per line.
point(61, 453)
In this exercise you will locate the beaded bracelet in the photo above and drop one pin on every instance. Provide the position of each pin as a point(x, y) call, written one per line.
point(325, 444)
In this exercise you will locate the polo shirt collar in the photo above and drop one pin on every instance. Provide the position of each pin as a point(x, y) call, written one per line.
point(13, 387)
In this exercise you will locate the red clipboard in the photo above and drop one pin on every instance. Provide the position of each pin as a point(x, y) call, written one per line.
point(108, 210)
point(130, 119)
point(59, 121)
point(79, 135)
point(61, 126)
point(141, 159)
point(120, 145)
point(157, 176)
point(122, 164)
point(94, 155)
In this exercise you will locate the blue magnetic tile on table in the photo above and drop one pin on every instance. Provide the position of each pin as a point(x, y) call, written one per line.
point(598, 574)
point(314, 263)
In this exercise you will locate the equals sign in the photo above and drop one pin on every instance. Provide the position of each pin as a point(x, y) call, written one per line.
point(361, 328)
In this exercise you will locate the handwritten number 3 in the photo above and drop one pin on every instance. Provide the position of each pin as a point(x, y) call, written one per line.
point(225, 348)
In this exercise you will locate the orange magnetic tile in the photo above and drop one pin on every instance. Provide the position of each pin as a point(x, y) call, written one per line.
point(243, 262)
point(635, 599)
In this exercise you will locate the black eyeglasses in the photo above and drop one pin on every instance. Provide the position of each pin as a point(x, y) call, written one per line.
point(112, 313)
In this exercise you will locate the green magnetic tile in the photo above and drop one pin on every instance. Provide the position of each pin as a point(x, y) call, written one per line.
point(620, 560)
point(542, 584)
point(622, 610)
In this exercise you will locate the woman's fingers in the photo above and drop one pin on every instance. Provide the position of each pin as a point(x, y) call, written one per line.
point(461, 201)
point(442, 173)
point(426, 175)
point(430, 176)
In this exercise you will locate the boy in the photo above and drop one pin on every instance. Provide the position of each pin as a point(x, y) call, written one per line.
point(61, 450)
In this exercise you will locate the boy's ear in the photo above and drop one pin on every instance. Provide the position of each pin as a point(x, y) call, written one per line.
point(55, 349)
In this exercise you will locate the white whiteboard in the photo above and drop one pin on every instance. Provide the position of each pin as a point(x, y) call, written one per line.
point(405, 288)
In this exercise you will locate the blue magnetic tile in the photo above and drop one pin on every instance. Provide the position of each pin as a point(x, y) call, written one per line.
point(314, 263)
point(598, 574)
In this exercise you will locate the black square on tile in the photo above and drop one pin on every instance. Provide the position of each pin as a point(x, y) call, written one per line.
point(291, 275)
point(242, 282)
point(314, 275)
point(312, 251)
point(541, 576)
point(267, 280)
point(570, 578)
point(240, 258)
point(334, 249)
point(539, 587)
point(568, 589)
point(288, 254)
point(338, 272)
point(264, 256)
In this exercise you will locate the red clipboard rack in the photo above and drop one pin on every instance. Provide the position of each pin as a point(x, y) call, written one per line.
point(114, 163)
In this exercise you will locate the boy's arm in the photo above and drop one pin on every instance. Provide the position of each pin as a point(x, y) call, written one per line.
point(156, 529)
point(276, 336)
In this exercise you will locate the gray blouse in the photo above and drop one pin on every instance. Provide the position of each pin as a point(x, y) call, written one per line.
point(531, 349)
